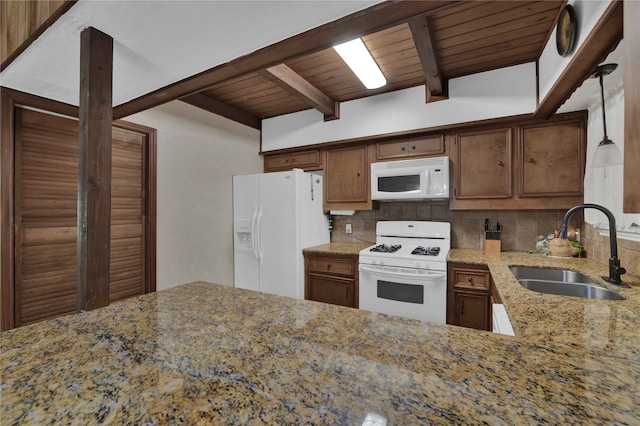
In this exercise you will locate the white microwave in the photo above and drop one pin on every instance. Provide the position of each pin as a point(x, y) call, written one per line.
point(420, 179)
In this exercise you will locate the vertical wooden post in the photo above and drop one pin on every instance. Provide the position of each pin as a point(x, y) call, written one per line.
point(94, 173)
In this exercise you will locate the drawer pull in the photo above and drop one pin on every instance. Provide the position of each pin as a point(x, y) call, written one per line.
point(402, 148)
point(328, 266)
point(462, 306)
point(470, 279)
point(413, 147)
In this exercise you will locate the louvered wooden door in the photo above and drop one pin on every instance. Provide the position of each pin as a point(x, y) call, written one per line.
point(46, 195)
point(46, 182)
point(127, 266)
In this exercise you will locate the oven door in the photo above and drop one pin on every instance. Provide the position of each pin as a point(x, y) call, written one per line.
point(414, 293)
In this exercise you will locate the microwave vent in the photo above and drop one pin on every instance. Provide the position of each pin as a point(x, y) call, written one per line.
point(420, 162)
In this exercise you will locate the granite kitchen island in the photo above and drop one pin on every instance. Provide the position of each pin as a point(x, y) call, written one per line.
point(209, 354)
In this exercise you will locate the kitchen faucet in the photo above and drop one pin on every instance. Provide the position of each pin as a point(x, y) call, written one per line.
point(615, 270)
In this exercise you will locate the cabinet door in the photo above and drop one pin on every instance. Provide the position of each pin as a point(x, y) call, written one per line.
point(334, 290)
point(347, 175)
point(483, 168)
point(551, 157)
point(472, 310)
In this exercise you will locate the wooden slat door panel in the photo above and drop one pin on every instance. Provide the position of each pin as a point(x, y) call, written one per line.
point(127, 267)
point(46, 218)
point(46, 197)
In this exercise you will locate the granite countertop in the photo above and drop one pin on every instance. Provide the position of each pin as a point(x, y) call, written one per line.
point(204, 353)
point(607, 327)
point(340, 249)
point(209, 354)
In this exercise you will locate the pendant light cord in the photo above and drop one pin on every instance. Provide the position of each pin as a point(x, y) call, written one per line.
point(604, 117)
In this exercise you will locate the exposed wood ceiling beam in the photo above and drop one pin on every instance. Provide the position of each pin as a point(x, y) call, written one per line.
point(220, 108)
point(605, 36)
point(436, 88)
point(372, 19)
point(292, 83)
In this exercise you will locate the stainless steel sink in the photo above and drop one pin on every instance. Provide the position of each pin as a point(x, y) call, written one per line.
point(562, 282)
point(548, 274)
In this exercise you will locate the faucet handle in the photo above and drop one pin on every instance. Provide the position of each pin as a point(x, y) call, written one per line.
point(620, 270)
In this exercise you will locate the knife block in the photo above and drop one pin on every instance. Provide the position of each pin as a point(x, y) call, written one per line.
point(492, 245)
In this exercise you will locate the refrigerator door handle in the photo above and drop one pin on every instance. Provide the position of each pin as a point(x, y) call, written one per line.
point(254, 231)
point(258, 235)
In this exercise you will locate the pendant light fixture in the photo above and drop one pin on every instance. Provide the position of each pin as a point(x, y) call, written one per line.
point(607, 153)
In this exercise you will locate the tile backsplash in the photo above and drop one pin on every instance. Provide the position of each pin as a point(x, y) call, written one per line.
point(520, 227)
point(598, 249)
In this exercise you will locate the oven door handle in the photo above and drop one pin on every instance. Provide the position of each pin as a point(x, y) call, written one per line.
point(385, 272)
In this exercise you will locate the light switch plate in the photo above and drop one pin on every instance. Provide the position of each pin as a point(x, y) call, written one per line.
point(348, 228)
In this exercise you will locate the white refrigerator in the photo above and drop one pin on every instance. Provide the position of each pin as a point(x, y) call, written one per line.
point(275, 216)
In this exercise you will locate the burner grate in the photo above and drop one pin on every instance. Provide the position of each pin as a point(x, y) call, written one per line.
point(386, 248)
point(426, 251)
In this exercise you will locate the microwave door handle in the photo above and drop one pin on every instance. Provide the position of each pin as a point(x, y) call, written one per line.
point(391, 274)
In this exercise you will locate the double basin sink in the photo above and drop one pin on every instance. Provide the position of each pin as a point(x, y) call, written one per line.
point(562, 282)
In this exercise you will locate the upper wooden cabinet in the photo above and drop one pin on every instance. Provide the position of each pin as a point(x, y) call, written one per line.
point(346, 178)
point(529, 164)
point(552, 159)
point(414, 147)
point(483, 164)
point(306, 160)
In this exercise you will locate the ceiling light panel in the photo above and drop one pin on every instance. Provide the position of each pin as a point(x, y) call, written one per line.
point(359, 59)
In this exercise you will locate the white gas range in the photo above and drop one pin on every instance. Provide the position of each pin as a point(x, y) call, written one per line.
point(405, 272)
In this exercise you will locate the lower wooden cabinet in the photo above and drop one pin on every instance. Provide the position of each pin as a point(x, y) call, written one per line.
point(469, 296)
point(331, 279)
point(472, 309)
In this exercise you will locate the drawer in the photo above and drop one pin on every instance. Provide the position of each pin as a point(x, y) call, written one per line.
point(301, 160)
point(332, 265)
point(470, 279)
point(305, 159)
point(417, 147)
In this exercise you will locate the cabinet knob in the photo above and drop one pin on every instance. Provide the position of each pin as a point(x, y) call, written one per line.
point(358, 173)
point(402, 148)
point(293, 160)
point(470, 279)
point(413, 147)
point(286, 161)
point(500, 163)
point(530, 160)
point(328, 266)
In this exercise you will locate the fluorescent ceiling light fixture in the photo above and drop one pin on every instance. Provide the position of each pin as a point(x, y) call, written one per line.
point(359, 59)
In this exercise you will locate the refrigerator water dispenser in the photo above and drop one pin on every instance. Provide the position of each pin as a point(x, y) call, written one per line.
point(243, 233)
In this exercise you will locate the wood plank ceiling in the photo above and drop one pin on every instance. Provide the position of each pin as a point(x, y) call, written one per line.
point(466, 38)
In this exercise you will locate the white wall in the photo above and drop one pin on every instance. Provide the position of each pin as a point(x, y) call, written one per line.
point(497, 93)
point(604, 186)
point(198, 153)
point(550, 64)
